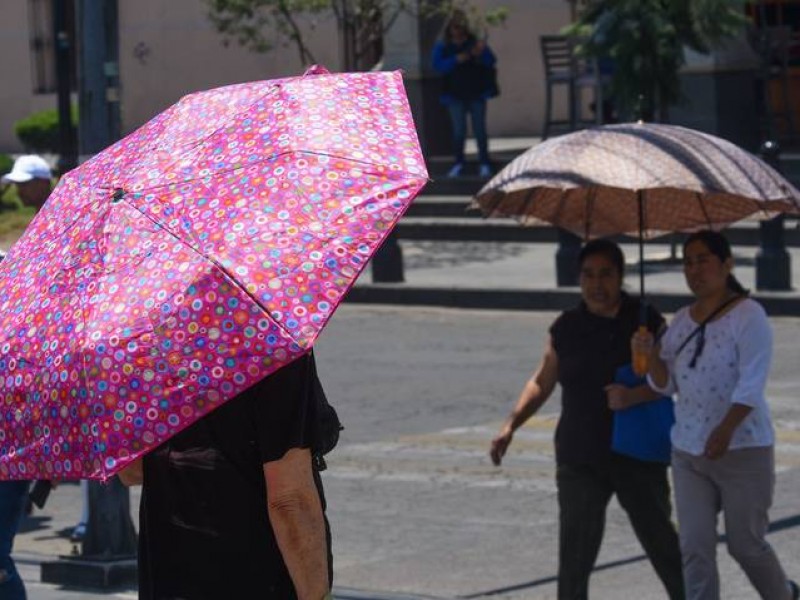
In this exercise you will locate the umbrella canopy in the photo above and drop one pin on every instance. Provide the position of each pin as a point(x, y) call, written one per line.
point(596, 182)
point(191, 259)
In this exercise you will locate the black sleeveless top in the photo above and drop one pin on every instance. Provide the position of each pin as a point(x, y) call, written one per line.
point(590, 348)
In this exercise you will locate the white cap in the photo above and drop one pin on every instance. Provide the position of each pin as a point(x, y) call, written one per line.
point(26, 168)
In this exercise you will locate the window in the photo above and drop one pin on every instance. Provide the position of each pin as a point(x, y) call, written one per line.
point(43, 44)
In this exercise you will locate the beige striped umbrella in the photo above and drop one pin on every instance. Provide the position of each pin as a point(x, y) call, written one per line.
point(596, 182)
point(639, 179)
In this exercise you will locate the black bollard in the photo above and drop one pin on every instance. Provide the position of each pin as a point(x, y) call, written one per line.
point(569, 246)
point(387, 264)
point(108, 559)
point(109, 533)
point(773, 262)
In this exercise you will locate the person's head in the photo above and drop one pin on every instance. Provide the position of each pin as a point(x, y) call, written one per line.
point(708, 265)
point(601, 267)
point(457, 30)
point(32, 176)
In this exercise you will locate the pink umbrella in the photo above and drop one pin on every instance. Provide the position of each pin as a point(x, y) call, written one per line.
point(190, 260)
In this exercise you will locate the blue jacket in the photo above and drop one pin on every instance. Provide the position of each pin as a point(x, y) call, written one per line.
point(470, 80)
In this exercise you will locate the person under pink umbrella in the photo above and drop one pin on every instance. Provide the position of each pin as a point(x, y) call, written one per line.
point(233, 506)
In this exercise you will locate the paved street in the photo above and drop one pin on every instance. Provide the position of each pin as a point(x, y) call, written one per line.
point(416, 508)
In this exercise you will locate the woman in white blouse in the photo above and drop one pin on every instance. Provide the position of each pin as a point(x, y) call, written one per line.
point(716, 356)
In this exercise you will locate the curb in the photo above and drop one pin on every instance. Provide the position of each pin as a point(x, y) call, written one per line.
point(777, 305)
point(340, 593)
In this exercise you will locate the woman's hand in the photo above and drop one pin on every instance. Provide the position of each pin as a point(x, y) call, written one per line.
point(619, 396)
point(718, 442)
point(499, 446)
point(132, 474)
point(643, 342)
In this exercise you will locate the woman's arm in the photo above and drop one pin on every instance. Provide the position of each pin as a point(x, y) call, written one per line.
point(754, 351)
point(132, 474)
point(535, 393)
point(658, 375)
point(621, 396)
point(719, 439)
point(442, 62)
point(295, 512)
point(483, 53)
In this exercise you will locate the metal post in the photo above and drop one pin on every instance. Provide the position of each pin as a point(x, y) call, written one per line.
point(773, 262)
point(98, 127)
point(67, 149)
point(109, 550)
point(569, 246)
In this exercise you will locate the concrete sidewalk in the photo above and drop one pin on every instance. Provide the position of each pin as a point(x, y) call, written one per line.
point(514, 275)
point(507, 275)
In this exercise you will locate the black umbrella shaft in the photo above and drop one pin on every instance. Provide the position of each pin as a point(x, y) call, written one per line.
point(640, 203)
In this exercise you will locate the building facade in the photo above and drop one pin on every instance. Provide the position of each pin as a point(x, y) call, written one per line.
point(168, 49)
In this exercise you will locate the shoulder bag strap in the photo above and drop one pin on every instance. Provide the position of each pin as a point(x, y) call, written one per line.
point(707, 320)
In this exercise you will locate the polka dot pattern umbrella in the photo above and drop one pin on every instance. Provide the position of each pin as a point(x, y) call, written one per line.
point(190, 260)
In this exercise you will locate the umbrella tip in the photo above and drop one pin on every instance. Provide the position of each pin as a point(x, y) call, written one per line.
point(316, 70)
point(119, 194)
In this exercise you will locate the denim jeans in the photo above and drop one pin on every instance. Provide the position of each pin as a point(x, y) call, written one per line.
point(642, 490)
point(476, 109)
point(12, 503)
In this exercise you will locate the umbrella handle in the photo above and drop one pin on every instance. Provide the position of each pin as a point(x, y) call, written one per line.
point(640, 359)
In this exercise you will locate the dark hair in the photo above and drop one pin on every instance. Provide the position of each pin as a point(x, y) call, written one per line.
point(458, 17)
point(718, 245)
point(605, 248)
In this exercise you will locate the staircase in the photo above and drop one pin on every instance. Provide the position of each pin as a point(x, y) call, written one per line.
point(442, 213)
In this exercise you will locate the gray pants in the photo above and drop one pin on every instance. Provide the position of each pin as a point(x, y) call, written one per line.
point(740, 484)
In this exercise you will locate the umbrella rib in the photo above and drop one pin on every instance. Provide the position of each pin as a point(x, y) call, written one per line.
point(273, 157)
point(699, 197)
point(232, 280)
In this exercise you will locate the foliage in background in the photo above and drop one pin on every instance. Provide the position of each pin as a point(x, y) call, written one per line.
point(260, 25)
point(6, 164)
point(645, 39)
point(9, 200)
point(39, 132)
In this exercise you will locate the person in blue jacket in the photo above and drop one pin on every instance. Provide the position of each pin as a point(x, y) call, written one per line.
point(467, 67)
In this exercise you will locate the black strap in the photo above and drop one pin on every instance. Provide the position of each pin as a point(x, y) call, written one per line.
point(707, 320)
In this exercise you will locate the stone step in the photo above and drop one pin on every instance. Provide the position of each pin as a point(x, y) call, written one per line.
point(508, 230)
point(466, 185)
point(428, 205)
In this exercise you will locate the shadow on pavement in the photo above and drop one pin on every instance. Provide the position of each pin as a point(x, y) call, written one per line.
point(779, 525)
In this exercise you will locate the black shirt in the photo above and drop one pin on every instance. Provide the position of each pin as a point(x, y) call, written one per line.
point(204, 528)
point(590, 348)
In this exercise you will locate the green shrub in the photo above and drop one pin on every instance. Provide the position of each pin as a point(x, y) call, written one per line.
point(9, 200)
point(39, 131)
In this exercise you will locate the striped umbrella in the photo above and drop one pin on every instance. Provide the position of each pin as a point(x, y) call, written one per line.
point(638, 179)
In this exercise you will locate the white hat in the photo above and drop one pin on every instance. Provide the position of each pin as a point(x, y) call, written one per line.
point(26, 168)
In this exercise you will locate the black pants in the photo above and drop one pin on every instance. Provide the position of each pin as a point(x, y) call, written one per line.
point(643, 491)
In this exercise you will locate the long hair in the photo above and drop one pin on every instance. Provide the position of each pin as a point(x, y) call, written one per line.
point(457, 17)
point(718, 245)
